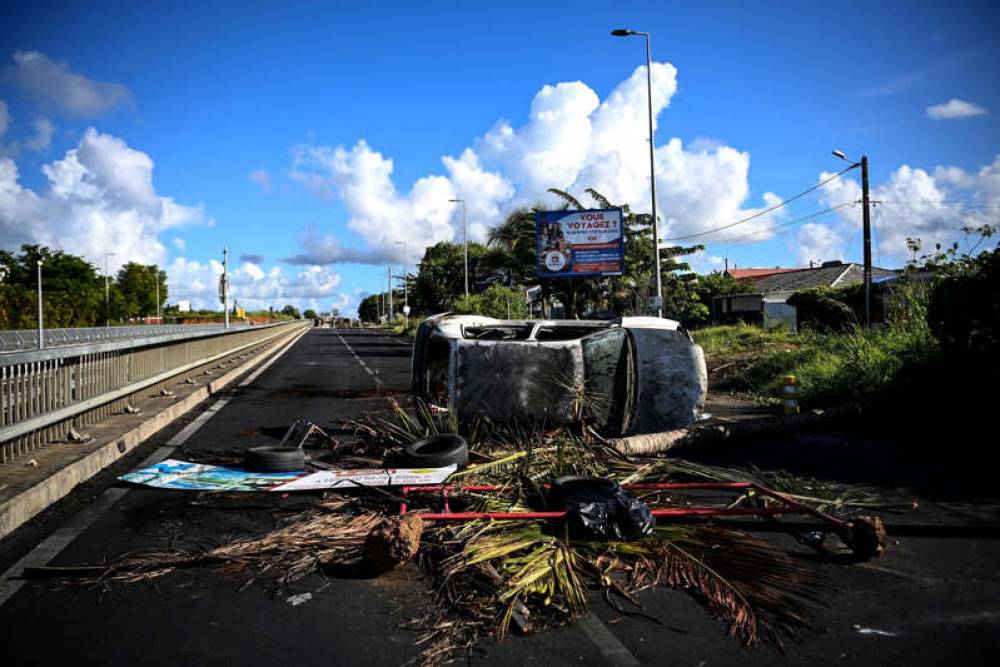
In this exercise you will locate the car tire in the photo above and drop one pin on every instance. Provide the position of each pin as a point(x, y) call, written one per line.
point(437, 451)
point(275, 459)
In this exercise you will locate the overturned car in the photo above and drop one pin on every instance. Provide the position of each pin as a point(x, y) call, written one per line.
point(631, 375)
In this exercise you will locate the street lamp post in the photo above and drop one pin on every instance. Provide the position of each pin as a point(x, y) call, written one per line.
point(465, 242)
point(652, 168)
point(107, 290)
point(41, 328)
point(867, 225)
point(406, 295)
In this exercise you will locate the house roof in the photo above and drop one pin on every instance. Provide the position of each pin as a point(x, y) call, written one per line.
point(755, 274)
point(782, 285)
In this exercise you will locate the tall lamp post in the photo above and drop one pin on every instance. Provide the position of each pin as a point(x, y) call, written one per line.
point(41, 340)
point(465, 243)
point(867, 224)
point(406, 296)
point(107, 290)
point(658, 302)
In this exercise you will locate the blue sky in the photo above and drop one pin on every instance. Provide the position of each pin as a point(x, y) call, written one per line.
point(199, 97)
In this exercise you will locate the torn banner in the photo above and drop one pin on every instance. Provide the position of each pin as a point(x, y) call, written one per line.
point(174, 474)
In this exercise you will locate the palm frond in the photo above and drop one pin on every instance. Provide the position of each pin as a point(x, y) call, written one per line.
point(568, 198)
point(601, 200)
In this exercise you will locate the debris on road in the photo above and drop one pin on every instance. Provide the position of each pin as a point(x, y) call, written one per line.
point(496, 538)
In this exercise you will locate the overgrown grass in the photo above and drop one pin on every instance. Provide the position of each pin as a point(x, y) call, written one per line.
point(830, 368)
point(739, 338)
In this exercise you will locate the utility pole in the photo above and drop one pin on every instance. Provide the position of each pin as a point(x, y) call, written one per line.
point(158, 296)
point(866, 218)
point(41, 328)
point(389, 294)
point(224, 286)
point(406, 288)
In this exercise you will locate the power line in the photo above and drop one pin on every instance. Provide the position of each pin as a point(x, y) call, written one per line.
point(765, 211)
point(787, 223)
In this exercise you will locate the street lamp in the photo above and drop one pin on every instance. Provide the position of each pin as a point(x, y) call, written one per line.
point(658, 302)
point(107, 291)
point(406, 297)
point(867, 226)
point(41, 340)
point(465, 242)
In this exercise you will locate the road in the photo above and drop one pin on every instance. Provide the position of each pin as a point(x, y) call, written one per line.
point(933, 598)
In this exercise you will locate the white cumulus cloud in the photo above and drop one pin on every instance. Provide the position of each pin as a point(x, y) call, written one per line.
point(99, 198)
point(253, 286)
point(572, 140)
point(53, 82)
point(932, 206)
point(953, 109)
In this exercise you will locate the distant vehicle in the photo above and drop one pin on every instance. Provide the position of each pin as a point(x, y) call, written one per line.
point(317, 321)
point(630, 375)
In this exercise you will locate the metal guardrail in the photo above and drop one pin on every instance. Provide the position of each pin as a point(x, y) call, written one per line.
point(50, 395)
point(27, 339)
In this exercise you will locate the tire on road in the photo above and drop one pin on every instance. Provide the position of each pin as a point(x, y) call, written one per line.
point(275, 459)
point(437, 451)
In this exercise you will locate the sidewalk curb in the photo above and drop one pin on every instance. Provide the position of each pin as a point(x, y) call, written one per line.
point(654, 443)
point(20, 508)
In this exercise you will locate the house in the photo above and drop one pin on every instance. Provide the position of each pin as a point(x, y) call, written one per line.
point(769, 305)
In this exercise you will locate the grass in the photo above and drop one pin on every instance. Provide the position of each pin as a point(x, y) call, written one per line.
point(830, 368)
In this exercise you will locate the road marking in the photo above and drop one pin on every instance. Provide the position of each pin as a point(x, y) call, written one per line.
point(373, 374)
point(62, 537)
point(614, 652)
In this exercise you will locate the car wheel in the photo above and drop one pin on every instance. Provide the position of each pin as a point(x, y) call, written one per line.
point(275, 459)
point(437, 451)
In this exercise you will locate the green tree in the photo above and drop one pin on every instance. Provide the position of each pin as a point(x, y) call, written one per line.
point(137, 285)
point(73, 293)
point(720, 283)
point(290, 311)
point(441, 276)
point(310, 314)
point(495, 301)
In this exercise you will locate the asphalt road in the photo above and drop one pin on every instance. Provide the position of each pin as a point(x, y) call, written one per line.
point(934, 598)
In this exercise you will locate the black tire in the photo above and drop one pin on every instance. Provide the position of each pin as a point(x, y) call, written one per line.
point(275, 459)
point(437, 451)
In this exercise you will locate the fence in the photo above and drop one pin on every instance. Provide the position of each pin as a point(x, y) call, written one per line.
point(49, 395)
point(27, 339)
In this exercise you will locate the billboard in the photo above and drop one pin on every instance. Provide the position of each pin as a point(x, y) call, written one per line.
point(579, 243)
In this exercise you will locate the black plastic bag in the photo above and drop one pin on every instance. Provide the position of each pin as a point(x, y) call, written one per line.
point(599, 509)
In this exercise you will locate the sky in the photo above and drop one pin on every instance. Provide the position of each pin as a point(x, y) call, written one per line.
point(315, 139)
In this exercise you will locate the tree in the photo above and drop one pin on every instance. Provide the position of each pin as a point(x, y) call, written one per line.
point(291, 311)
point(73, 293)
point(495, 301)
point(137, 286)
point(441, 276)
point(310, 314)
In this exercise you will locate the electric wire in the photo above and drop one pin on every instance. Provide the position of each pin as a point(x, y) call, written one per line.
point(783, 203)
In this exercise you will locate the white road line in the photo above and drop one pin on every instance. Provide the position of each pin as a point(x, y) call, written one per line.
point(614, 652)
point(373, 374)
point(63, 536)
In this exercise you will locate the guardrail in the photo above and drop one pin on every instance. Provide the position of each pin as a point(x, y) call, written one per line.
point(50, 395)
point(27, 339)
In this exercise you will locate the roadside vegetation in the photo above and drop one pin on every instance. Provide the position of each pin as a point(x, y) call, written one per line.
point(940, 332)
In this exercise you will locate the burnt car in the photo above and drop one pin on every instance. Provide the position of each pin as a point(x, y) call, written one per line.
point(624, 376)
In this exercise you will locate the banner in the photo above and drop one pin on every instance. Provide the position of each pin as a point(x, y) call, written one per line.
point(182, 475)
point(579, 243)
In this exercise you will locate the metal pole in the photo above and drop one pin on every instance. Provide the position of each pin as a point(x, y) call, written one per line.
point(465, 236)
point(158, 295)
point(41, 340)
point(866, 218)
point(652, 176)
point(391, 315)
point(406, 297)
point(225, 286)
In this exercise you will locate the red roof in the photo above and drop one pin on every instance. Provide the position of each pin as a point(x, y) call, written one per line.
point(754, 274)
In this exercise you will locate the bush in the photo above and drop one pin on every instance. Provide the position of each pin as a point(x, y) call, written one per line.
point(737, 338)
point(822, 309)
point(964, 309)
point(496, 301)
